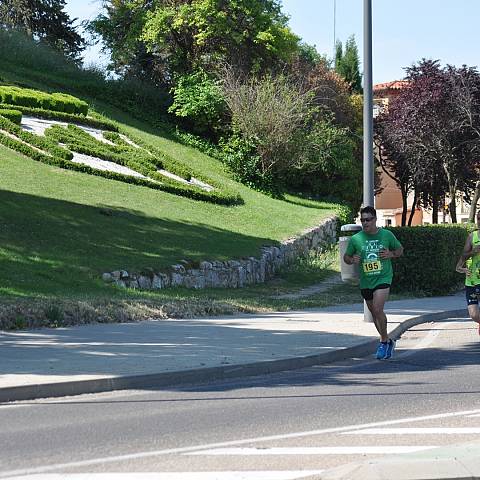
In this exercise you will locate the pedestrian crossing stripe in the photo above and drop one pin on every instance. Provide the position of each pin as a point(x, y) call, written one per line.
point(355, 450)
point(247, 475)
point(417, 431)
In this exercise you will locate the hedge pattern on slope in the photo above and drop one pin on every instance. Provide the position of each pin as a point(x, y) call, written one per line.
point(60, 102)
point(146, 160)
point(103, 124)
point(14, 116)
point(42, 143)
point(80, 141)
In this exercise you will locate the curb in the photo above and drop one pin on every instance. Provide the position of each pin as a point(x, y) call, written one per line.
point(204, 375)
point(452, 462)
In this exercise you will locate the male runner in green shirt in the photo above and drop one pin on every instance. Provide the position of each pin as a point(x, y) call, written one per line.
point(373, 248)
point(469, 263)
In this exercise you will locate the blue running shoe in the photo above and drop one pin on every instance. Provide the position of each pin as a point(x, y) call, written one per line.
point(381, 351)
point(390, 349)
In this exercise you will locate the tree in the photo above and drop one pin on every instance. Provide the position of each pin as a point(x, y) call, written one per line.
point(45, 21)
point(347, 64)
point(474, 201)
point(433, 126)
point(177, 37)
point(120, 28)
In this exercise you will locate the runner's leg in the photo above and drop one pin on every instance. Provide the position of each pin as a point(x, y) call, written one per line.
point(376, 306)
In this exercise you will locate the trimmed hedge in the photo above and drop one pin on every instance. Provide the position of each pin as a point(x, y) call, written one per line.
point(42, 143)
point(60, 102)
point(80, 141)
point(102, 124)
point(145, 161)
point(14, 116)
point(430, 256)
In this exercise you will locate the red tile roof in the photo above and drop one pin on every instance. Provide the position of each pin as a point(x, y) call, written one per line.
point(395, 85)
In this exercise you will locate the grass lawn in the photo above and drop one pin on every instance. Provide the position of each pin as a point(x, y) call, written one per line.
point(60, 230)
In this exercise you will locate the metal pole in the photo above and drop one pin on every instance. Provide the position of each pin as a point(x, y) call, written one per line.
point(368, 178)
point(368, 186)
point(334, 31)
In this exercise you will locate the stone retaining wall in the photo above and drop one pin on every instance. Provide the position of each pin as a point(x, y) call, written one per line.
point(231, 273)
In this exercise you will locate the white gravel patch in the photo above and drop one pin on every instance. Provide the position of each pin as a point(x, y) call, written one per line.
point(39, 125)
point(105, 165)
point(201, 184)
point(193, 181)
point(133, 144)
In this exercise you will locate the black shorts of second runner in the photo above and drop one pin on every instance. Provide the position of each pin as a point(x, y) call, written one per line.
point(473, 294)
point(367, 293)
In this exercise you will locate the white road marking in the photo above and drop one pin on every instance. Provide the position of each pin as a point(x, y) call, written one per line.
point(417, 431)
point(179, 450)
point(247, 475)
point(357, 450)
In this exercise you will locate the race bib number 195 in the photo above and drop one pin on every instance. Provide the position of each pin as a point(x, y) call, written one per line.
point(374, 266)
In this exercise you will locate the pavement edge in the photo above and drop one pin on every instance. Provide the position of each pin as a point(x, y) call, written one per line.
point(209, 374)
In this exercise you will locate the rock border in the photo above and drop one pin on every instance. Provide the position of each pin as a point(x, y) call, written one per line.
point(230, 273)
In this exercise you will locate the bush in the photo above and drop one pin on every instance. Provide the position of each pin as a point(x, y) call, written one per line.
point(26, 97)
point(198, 99)
point(240, 156)
point(14, 116)
point(431, 253)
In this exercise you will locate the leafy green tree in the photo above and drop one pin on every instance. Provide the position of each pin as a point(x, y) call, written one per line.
point(198, 100)
point(168, 38)
point(347, 64)
point(120, 27)
point(45, 21)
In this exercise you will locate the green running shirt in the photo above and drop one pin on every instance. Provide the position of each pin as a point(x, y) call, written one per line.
point(373, 269)
point(473, 263)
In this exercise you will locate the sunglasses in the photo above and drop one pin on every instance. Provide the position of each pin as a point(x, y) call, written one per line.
point(369, 219)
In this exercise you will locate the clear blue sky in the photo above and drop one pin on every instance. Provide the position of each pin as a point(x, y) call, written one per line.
point(404, 31)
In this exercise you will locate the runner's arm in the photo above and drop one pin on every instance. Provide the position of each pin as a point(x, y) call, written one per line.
point(467, 253)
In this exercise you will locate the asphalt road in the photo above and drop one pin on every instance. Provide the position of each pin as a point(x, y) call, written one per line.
point(281, 426)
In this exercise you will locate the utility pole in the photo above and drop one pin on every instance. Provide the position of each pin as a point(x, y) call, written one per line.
point(368, 176)
point(334, 31)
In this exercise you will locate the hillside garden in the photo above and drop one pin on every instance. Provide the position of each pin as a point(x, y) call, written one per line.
point(65, 222)
point(216, 131)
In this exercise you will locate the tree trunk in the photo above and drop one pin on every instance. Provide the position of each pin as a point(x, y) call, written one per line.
point(414, 206)
point(453, 205)
point(404, 205)
point(475, 199)
point(435, 209)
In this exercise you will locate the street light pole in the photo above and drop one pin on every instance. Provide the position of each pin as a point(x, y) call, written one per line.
point(368, 177)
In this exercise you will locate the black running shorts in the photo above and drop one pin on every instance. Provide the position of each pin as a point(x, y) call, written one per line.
point(367, 293)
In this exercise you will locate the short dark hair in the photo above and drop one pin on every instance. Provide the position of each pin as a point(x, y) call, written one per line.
point(368, 209)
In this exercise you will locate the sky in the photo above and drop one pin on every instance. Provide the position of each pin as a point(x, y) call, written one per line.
point(403, 31)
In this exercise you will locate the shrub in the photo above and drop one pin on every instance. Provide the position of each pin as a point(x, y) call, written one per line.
point(42, 143)
point(240, 156)
point(198, 99)
point(34, 98)
point(14, 116)
point(94, 122)
point(431, 253)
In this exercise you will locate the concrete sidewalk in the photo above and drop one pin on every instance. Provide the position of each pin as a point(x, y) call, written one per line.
point(102, 357)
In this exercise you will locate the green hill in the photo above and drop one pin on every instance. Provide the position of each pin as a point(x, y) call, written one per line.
point(60, 229)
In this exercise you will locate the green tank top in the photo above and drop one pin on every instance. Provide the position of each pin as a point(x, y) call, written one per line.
point(473, 263)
